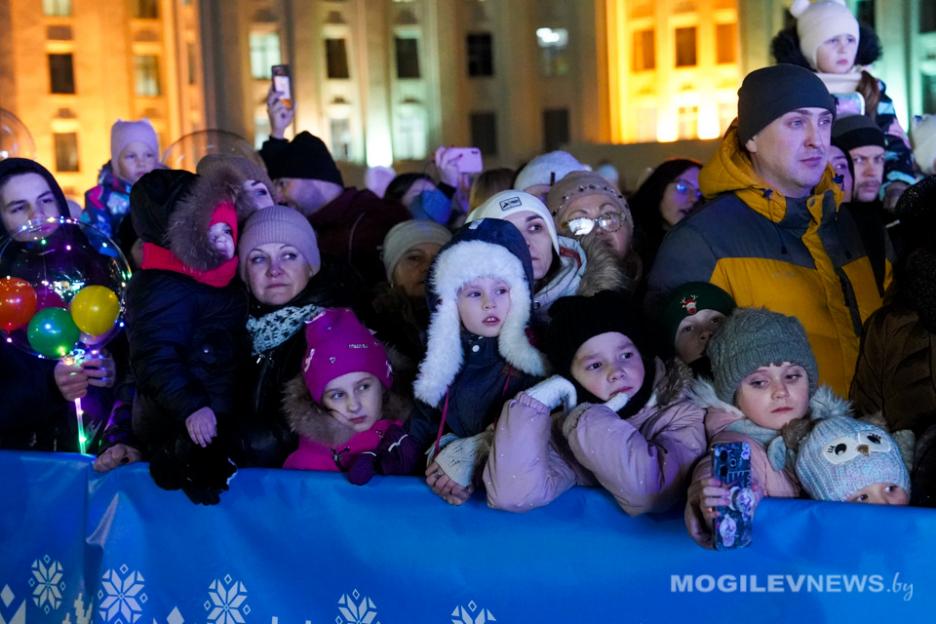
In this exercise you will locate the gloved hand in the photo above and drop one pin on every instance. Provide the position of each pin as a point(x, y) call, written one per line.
point(398, 453)
point(363, 468)
point(460, 460)
point(553, 392)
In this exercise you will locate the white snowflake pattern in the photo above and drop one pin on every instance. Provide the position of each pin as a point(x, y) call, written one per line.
point(47, 583)
point(121, 595)
point(356, 609)
point(175, 617)
point(227, 601)
point(472, 615)
point(7, 597)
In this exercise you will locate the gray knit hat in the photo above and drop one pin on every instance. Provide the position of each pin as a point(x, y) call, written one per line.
point(755, 337)
point(279, 224)
point(407, 234)
point(842, 455)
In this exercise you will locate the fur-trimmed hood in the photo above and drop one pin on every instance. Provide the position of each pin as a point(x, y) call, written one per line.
point(487, 247)
point(785, 47)
point(233, 171)
point(191, 218)
point(603, 271)
point(311, 421)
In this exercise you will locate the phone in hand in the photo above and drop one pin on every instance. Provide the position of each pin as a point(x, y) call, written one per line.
point(468, 159)
point(283, 84)
point(734, 523)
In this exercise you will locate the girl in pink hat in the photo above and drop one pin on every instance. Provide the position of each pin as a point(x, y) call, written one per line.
point(341, 406)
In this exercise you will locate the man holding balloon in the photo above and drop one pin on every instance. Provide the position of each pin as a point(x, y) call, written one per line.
point(53, 324)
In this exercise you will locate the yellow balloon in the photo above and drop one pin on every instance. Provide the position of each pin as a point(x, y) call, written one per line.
point(95, 309)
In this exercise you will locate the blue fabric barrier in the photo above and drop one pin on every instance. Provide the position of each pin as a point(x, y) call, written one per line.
point(294, 547)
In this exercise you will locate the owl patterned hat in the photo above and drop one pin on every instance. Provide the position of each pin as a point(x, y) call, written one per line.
point(842, 455)
point(337, 344)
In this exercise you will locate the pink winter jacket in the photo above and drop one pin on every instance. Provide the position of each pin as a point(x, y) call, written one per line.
point(643, 461)
point(719, 416)
point(315, 455)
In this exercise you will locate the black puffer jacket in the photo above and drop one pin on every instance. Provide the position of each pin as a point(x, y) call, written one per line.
point(188, 340)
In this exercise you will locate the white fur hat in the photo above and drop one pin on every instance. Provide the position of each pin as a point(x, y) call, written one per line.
point(483, 248)
point(923, 135)
point(505, 203)
point(547, 169)
point(819, 22)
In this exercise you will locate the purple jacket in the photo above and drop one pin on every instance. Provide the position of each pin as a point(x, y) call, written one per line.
point(643, 461)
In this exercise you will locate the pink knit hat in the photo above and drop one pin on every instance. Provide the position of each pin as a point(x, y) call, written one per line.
point(123, 133)
point(337, 344)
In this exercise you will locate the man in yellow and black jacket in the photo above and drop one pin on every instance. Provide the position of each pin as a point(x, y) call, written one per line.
point(770, 232)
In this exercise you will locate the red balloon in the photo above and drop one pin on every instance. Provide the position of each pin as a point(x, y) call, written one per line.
point(17, 303)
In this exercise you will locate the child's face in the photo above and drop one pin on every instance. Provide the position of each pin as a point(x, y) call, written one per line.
point(837, 55)
point(222, 239)
point(694, 332)
point(355, 400)
point(608, 364)
point(483, 305)
point(136, 160)
point(881, 494)
point(774, 395)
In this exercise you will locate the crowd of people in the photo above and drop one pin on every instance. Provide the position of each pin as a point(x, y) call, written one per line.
point(524, 332)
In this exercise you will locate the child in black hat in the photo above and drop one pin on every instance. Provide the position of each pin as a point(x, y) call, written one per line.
point(639, 444)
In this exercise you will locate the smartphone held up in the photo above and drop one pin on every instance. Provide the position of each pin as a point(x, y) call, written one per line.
point(282, 84)
point(733, 525)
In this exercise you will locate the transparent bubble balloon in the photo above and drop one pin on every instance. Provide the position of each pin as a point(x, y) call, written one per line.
point(187, 151)
point(15, 139)
point(62, 289)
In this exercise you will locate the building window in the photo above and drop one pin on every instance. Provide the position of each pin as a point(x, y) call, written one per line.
point(688, 122)
point(686, 47)
point(340, 139)
point(191, 63)
point(66, 151)
point(336, 59)
point(927, 19)
point(407, 57)
point(261, 127)
point(484, 132)
point(480, 55)
point(553, 47)
point(647, 124)
point(61, 73)
point(264, 53)
point(410, 143)
point(145, 9)
point(555, 128)
point(928, 83)
point(57, 8)
point(146, 75)
point(726, 43)
point(644, 54)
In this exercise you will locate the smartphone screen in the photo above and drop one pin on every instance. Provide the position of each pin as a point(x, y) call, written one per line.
point(731, 464)
point(282, 84)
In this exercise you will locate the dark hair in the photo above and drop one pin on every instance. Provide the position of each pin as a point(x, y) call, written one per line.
point(488, 183)
point(402, 183)
point(19, 166)
point(649, 226)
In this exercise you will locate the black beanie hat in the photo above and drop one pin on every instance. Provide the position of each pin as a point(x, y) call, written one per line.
point(153, 199)
point(305, 157)
point(856, 131)
point(575, 320)
point(770, 92)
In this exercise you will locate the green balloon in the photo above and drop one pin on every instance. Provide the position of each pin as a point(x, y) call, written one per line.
point(52, 332)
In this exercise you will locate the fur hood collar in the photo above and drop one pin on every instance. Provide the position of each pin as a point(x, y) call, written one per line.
point(191, 218)
point(587, 267)
point(459, 262)
point(310, 421)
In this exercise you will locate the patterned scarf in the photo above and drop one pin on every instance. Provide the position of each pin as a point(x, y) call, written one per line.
point(273, 329)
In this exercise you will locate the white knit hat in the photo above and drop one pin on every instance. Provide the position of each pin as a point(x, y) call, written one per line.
point(820, 21)
point(547, 169)
point(923, 135)
point(505, 203)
